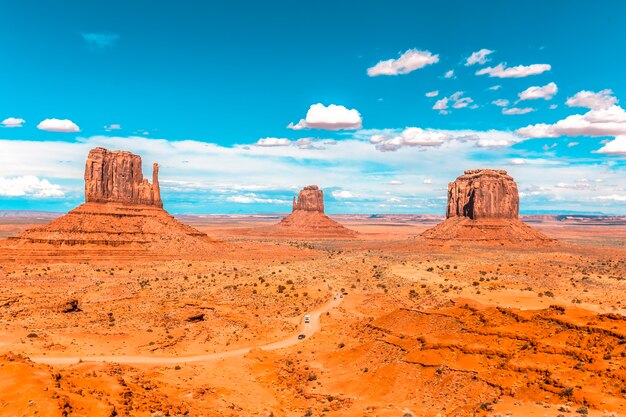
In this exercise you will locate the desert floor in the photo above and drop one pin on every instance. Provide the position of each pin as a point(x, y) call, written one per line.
point(399, 327)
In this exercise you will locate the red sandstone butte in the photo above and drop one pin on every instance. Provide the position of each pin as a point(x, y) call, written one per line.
point(123, 216)
point(483, 194)
point(116, 176)
point(483, 206)
point(308, 219)
point(310, 198)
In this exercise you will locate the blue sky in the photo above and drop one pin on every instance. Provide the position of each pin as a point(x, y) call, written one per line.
point(209, 90)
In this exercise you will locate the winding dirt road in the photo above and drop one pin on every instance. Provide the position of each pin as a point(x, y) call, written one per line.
point(308, 329)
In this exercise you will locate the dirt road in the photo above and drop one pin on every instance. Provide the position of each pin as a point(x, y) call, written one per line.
point(307, 329)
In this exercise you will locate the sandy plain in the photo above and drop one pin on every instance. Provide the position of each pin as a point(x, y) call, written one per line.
point(405, 328)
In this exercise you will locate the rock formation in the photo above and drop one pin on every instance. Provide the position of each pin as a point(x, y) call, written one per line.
point(483, 194)
point(483, 205)
point(122, 215)
point(307, 217)
point(116, 176)
point(310, 198)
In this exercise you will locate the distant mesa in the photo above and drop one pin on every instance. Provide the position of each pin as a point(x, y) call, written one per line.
point(122, 214)
point(483, 205)
point(307, 217)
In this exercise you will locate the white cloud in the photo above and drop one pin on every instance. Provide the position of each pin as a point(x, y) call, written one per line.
point(518, 161)
point(13, 122)
point(395, 182)
point(412, 136)
point(409, 61)
point(427, 181)
point(595, 101)
point(432, 93)
point(342, 194)
point(460, 102)
point(614, 147)
point(456, 100)
point(495, 87)
point(449, 74)
point(501, 71)
point(501, 102)
point(533, 93)
point(441, 105)
point(112, 126)
point(517, 110)
point(29, 185)
point(253, 198)
point(553, 106)
point(478, 57)
point(572, 144)
point(58, 125)
point(273, 142)
point(612, 197)
point(333, 117)
point(601, 122)
point(430, 138)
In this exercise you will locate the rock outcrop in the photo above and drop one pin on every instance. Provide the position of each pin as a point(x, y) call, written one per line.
point(483, 194)
point(310, 198)
point(116, 177)
point(483, 206)
point(308, 219)
point(122, 217)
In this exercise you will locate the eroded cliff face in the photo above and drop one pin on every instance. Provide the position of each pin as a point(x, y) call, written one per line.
point(310, 198)
point(483, 194)
point(116, 176)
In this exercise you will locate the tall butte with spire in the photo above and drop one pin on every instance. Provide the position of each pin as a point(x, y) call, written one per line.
point(483, 206)
point(123, 215)
point(307, 217)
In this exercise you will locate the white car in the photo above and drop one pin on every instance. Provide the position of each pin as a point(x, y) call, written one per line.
point(307, 319)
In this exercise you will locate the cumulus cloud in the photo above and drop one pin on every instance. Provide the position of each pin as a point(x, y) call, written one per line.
point(29, 185)
point(460, 102)
point(596, 101)
point(432, 138)
point(478, 57)
point(533, 93)
point(449, 74)
point(517, 110)
point(614, 147)
point(441, 105)
point(333, 117)
point(100, 41)
point(601, 122)
point(456, 100)
point(273, 142)
point(409, 61)
point(501, 102)
point(412, 136)
point(13, 122)
point(432, 93)
point(520, 71)
point(58, 125)
point(342, 194)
